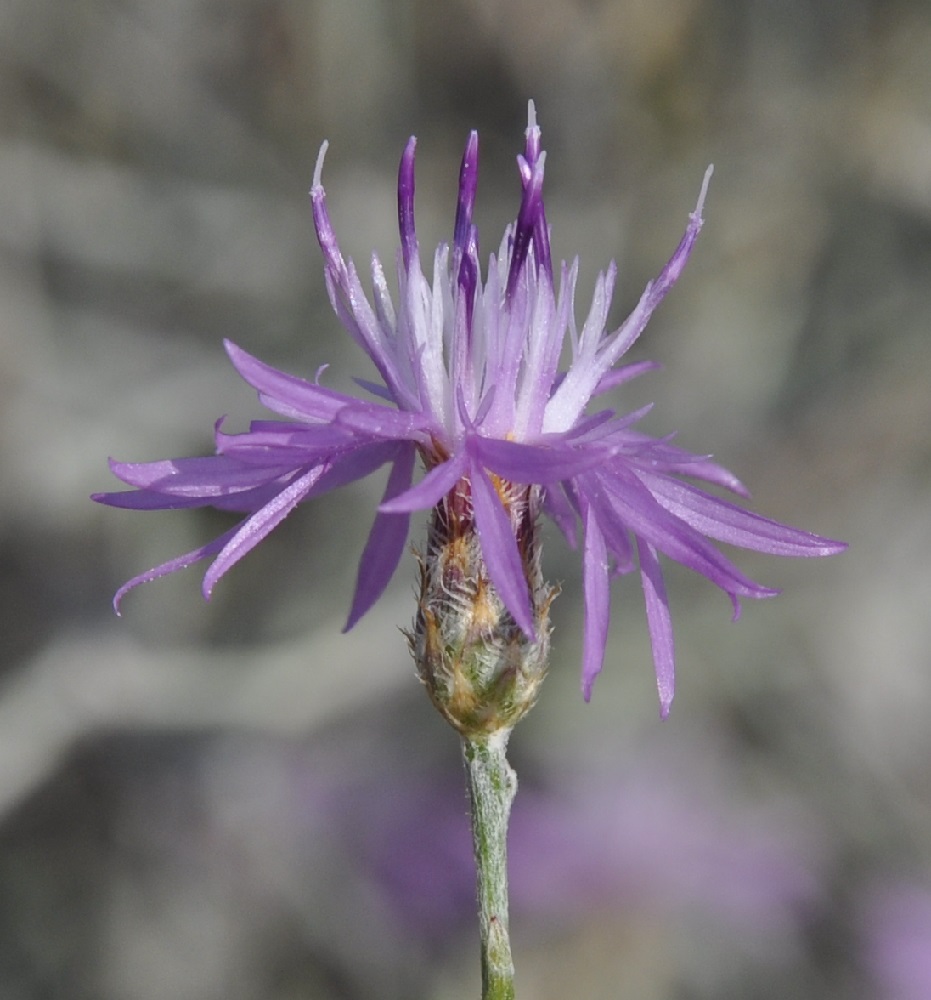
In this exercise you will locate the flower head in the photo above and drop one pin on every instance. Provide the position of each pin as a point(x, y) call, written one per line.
point(470, 382)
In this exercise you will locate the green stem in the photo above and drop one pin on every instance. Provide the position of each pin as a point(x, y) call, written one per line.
point(492, 786)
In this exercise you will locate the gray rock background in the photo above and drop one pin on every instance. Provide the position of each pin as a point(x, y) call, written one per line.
point(234, 800)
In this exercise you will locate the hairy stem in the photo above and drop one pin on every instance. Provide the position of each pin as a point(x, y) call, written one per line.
point(492, 786)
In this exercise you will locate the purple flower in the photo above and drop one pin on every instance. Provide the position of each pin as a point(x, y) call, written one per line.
point(469, 381)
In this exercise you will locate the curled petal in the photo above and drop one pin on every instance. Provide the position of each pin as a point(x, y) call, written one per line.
point(172, 566)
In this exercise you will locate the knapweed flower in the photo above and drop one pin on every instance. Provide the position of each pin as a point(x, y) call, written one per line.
point(470, 383)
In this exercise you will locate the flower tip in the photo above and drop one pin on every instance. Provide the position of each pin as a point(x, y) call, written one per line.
point(317, 187)
point(407, 162)
point(699, 208)
point(531, 115)
point(664, 708)
point(233, 351)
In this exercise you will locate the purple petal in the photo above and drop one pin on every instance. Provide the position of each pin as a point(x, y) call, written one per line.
point(530, 463)
point(255, 528)
point(560, 511)
point(597, 600)
point(615, 532)
point(406, 227)
point(431, 489)
point(382, 421)
point(179, 562)
point(670, 458)
point(621, 376)
point(671, 273)
point(468, 182)
point(277, 441)
point(382, 392)
point(628, 500)
point(659, 622)
point(530, 208)
point(286, 394)
point(326, 236)
point(200, 478)
point(356, 464)
point(499, 547)
point(726, 522)
point(385, 544)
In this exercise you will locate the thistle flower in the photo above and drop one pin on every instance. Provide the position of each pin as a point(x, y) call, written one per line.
point(470, 383)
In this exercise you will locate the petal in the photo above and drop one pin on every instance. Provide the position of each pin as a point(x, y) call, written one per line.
point(659, 622)
point(468, 183)
point(529, 463)
point(406, 227)
point(270, 441)
point(201, 478)
point(385, 543)
point(431, 489)
point(632, 504)
point(257, 527)
point(561, 512)
point(357, 464)
point(726, 522)
point(179, 562)
point(499, 548)
point(621, 376)
point(382, 421)
point(666, 457)
point(286, 394)
point(597, 601)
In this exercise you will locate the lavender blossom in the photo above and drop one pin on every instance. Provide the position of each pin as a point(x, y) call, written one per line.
point(469, 382)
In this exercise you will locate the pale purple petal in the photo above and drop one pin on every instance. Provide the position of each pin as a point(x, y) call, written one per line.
point(203, 478)
point(406, 227)
point(468, 183)
point(431, 489)
point(385, 544)
point(561, 512)
point(357, 464)
point(596, 589)
point(286, 394)
point(634, 506)
point(172, 566)
point(383, 422)
point(502, 557)
point(268, 442)
point(528, 463)
point(659, 622)
point(621, 376)
point(255, 528)
point(726, 522)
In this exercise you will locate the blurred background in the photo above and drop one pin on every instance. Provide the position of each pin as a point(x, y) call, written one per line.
point(233, 800)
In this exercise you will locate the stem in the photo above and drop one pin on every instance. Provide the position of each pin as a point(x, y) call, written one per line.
point(492, 786)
